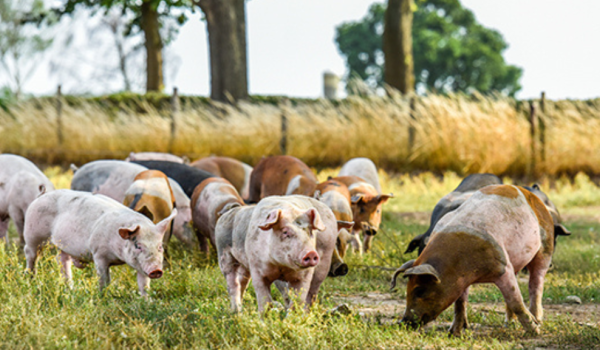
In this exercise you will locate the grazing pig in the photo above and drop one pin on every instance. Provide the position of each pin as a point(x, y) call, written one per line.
point(95, 228)
point(151, 195)
point(337, 197)
point(363, 168)
point(188, 177)
point(234, 171)
point(290, 239)
point(156, 156)
point(367, 206)
point(451, 202)
point(211, 199)
point(281, 175)
point(112, 178)
point(20, 183)
point(494, 234)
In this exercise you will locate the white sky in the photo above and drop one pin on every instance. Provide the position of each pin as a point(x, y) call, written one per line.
point(291, 43)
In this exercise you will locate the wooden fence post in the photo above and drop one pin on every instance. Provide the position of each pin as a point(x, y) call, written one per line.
point(59, 131)
point(533, 127)
point(542, 127)
point(174, 111)
point(284, 128)
point(411, 127)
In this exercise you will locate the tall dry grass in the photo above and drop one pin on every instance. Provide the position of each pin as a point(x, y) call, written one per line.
point(452, 133)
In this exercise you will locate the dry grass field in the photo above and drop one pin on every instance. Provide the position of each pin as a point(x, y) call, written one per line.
point(188, 307)
point(452, 133)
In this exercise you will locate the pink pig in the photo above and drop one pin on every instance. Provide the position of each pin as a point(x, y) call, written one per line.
point(20, 183)
point(498, 231)
point(290, 239)
point(87, 227)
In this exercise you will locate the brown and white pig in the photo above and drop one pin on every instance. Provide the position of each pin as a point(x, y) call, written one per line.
point(337, 197)
point(234, 171)
point(95, 228)
point(363, 168)
point(150, 194)
point(211, 199)
point(20, 183)
point(494, 234)
point(279, 176)
point(367, 206)
point(289, 238)
point(156, 156)
point(112, 178)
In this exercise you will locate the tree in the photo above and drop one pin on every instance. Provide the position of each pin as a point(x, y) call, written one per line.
point(397, 46)
point(148, 16)
point(21, 42)
point(452, 52)
point(226, 27)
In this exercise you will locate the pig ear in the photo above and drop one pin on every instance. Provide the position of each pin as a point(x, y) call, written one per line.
point(344, 224)
point(536, 187)
point(271, 220)
point(317, 195)
point(402, 268)
point(357, 198)
point(382, 198)
point(128, 233)
point(315, 219)
point(165, 223)
point(560, 230)
point(423, 270)
point(227, 207)
point(146, 212)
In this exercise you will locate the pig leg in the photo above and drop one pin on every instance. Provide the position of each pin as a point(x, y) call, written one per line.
point(4, 220)
point(300, 290)
point(507, 283)
point(282, 287)
point(244, 278)
point(143, 282)
point(102, 269)
point(65, 267)
point(356, 242)
point(537, 271)
point(18, 217)
point(460, 314)
point(262, 287)
point(367, 243)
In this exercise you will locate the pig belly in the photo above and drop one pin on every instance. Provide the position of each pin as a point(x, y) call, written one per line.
point(72, 239)
point(521, 252)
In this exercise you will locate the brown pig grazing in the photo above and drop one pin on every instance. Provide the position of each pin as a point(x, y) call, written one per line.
point(289, 238)
point(367, 206)
point(211, 199)
point(236, 172)
point(151, 195)
point(279, 176)
point(494, 234)
point(337, 197)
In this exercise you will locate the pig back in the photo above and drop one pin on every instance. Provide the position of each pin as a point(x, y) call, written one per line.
point(111, 178)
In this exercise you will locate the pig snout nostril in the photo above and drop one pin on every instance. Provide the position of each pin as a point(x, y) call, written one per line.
point(371, 232)
point(342, 270)
point(310, 259)
point(155, 274)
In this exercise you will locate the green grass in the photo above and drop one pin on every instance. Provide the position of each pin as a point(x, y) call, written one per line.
point(189, 307)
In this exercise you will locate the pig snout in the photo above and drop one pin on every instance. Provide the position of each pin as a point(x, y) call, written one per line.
point(368, 229)
point(309, 259)
point(338, 270)
point(413, 321)
point(155, 274)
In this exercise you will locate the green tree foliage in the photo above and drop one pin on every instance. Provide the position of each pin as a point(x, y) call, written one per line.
point(21, 42)
point(452, 52)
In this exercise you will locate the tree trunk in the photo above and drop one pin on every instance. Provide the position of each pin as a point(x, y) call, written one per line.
point(397, 46)
point(154, 46)
point(226, 26)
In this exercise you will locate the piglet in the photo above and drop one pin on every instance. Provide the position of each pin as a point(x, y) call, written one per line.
point(95, 228)
point(289, 238)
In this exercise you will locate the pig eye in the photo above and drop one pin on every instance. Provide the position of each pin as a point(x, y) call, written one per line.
point(285, 232)
point(362, 210)
point(135, 244)
point(419, 292)
point(160, 248)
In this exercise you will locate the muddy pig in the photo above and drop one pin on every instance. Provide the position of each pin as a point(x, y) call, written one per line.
point(494, 234)
point(289, 238)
